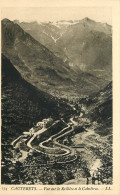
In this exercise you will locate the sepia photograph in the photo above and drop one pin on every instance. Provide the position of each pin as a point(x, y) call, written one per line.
point(57, 96)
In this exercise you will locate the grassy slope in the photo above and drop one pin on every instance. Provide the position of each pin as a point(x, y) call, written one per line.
point(22, 104)
point(35, 62)
point(100, 110)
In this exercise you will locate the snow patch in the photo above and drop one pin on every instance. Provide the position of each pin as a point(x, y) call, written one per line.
point(53, 39)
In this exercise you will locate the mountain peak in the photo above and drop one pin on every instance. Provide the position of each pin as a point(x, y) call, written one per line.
point(86, 19)
point(16, 21)
point(6, 20)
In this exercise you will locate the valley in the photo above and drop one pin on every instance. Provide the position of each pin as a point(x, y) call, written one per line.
point(69, 147)
point(56, 103)
point(38, 58)
point(33, 150)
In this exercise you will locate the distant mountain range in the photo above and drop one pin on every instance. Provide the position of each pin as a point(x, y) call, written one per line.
point(85, 44)
point(72, 58)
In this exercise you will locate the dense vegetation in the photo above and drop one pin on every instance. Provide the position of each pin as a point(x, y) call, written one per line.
point(22, 104)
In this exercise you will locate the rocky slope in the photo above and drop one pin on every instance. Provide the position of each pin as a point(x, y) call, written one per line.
point(23, 104)
point(100, 110)
point(43, 69)
point(84, 44)
point(35, 62)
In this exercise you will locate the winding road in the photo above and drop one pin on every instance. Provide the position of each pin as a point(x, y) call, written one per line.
point(58, 149)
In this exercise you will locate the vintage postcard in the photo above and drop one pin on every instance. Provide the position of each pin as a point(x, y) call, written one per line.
point(60, 105)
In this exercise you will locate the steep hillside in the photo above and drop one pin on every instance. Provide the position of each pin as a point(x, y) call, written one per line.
point(100, 110)
point(46, 33)
point(40, 67)
point(88, 46)
point(35, 62)
point(22, 104)
point(84, 44)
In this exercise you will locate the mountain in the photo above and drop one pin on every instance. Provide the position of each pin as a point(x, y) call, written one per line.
point(88, 46)
point(98, 26)
point(42, 68)
point(23, 104)
point(45, 33)
point(35, 62)
point(100, 110)
point(84, 44)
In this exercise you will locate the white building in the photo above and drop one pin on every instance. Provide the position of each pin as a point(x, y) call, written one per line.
point(47, 122)
point(40, 124)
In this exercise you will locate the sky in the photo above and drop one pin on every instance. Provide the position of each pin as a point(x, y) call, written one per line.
point(42, 14)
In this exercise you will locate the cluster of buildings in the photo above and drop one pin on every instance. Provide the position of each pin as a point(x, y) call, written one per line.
point(45, 123)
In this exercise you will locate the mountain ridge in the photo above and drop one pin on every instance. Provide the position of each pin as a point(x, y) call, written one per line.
point(23, 104)
point(43, 69)
point(83, 44)
point(15, 45)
